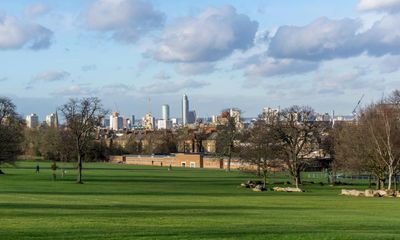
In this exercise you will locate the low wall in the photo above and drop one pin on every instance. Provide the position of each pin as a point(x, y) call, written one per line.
point(180, 160)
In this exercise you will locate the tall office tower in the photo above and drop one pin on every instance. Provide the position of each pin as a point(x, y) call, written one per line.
point(52, 120)
point(191, 117)
point(116, 122)
point(133, 120)
point(148, 121)
point(32, 121)
point(165, 112)
point(185, 109)
point(106, 123)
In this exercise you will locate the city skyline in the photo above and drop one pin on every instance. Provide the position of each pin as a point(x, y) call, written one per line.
point(249, 55)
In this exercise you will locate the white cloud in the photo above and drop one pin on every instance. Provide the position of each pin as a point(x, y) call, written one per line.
point(326, 39)
point(165, 87)
point(338, 82)
point(117, 88)
point(322, 39)
point(379, 5)
point(389, 64)
point(36, 10)
point(268, 67)
point(195, 68)
point(72, 91)
point(383, 37)
point(15, 35)
point(126, 20)
point(211, 36)
point(162, 75)
point(51, 76)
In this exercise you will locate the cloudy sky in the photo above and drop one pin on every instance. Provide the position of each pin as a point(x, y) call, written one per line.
point(246, 54)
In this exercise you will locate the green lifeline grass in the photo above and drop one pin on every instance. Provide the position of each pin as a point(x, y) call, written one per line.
point(132, 202)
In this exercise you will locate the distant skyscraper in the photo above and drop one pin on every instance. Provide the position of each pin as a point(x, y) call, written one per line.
point(165, 112)
point(185, 109)
point(116, 122)
point(148, 121)
point(133, 120)
point(164, 124)
point(52, 120)
point(191, 117)
point(106, 123)
point(32, 121)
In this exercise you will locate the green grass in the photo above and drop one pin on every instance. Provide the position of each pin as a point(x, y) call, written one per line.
point(131, 202)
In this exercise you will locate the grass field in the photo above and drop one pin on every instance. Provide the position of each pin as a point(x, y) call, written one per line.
point(131, 202)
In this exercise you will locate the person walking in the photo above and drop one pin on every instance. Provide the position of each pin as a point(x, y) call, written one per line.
point(37, 168)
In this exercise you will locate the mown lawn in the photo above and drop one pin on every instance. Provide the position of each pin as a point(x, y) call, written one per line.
point(131, 202)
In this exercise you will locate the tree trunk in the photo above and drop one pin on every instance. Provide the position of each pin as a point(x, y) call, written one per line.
point(390, 178)
point(333, 176)
point(229, 159)
point(381, 183)
point(265, 179)
point(297, 178)
point(296, 181)
point(369, 181)
point(79, 177)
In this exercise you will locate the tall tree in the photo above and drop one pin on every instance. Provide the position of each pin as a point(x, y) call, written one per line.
point(11, 131)
point(372, 143)
point(259, 148)
point(383, 125)
point(228, 134)
point(82, 117)
point(298, 133)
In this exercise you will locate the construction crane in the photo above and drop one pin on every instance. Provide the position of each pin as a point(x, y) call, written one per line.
point(358, 104)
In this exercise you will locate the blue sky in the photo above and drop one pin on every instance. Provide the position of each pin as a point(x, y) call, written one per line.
point(246, 54)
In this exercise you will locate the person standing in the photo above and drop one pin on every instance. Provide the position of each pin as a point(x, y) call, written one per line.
point(37, 168)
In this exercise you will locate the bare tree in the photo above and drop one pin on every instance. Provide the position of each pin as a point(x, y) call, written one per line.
point(382, 122)
point(371, 144)
point(82, 116)
point(298, 133)
point(11, 131)
point(228, 134)
point(259, 148)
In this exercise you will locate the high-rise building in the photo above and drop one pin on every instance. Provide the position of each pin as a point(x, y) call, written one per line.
point(133, 121)
point(235, 114)
point(185, 110)
point(164, 124)
point(32, 121)
point(52, 120)
point(191, 117)
point(165, 112)
point(148, 121)
point(116, 121)
point(106, 123)
point(270, 115)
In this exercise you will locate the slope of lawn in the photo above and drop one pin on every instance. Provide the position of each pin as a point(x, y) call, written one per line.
point(131, 202)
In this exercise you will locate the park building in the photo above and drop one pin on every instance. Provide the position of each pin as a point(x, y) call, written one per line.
point(32, 120)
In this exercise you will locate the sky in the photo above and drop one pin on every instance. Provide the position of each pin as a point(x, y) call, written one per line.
point(136, 55)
